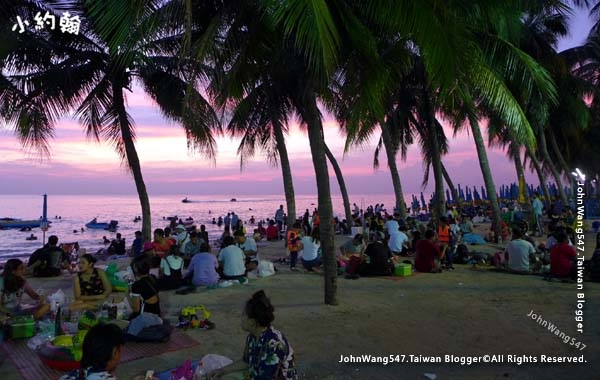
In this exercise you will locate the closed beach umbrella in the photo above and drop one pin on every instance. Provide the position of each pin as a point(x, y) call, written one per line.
point(483, 194)
point(448, 196)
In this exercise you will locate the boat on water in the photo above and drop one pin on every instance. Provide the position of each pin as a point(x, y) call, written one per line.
point(94, 224)
point(185, 200)
point(9, 223)
point(233, 200)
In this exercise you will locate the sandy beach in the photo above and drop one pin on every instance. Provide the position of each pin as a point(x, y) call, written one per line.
point(464, 313)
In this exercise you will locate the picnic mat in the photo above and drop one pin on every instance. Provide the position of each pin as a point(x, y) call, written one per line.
point(31, 368)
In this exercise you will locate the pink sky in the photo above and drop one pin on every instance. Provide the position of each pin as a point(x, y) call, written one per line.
point(80, 166)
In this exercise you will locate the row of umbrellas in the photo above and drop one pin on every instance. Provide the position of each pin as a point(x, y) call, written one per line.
point(507, 192)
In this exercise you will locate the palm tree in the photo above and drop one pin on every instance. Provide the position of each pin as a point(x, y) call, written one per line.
point(261, 118)
point(85, 75)
point(340, 178)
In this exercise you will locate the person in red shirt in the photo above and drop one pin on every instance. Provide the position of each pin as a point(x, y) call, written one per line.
point(272, 231)
point(562, 257)
point(162, 245)
point(428, 254)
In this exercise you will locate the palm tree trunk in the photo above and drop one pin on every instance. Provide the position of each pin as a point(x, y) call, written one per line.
point(286, 172)
point(516, 154)
point(540, 173)
point(487, 175)
point(436, 159)
point(341, 182)
point(450, 184)
point(391, 159)
point(561, 160)
point(133, 161)
point(311, 115)
point(550, 164)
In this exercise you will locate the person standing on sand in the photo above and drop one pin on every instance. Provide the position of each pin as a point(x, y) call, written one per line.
point(538, 207)
point(279, 217)
point(268, 354)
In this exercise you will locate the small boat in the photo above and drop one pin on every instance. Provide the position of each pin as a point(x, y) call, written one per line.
point(233, 200)
point(6, 223)
point(94, 224)
point(185, 200)
point(31, 237)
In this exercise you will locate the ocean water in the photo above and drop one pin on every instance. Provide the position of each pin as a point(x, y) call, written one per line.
point(76, 210)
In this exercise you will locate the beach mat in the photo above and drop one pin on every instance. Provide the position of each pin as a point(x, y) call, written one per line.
point(31, 368)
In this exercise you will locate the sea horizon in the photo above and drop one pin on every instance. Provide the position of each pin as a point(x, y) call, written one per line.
point(77, 210)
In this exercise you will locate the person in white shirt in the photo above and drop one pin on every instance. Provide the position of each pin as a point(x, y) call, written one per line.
point(171, 270)
point(231, 260)
point(391, 225)
point(310, 251)
point(248, 246)
point(520, 253)
point(398, 241)
point(181, 237)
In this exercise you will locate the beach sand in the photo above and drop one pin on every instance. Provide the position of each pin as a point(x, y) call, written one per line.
point(461, 313)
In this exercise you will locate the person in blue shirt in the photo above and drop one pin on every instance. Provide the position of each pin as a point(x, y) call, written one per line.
point(138, 244)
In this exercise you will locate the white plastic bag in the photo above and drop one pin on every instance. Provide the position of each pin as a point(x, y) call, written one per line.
point(209, 363)
point(265, 268)
point(57, 299)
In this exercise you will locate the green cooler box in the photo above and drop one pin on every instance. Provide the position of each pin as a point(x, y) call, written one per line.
point(403, 270)
point(22, 327)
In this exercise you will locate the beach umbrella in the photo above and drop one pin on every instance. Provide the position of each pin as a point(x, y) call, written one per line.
point(468, 194)
point(483, 194)
point(44, 224)
point(476, 194)
point(460, 192)
point(448, 196)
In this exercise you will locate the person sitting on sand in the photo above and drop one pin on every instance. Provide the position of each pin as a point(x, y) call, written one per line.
point(248, 246)
point(192, 247)
point(520, 253)
point(231, 260)
point(101, 354)
point(272, 232)
point(203, 268)
point(379, 262)
point(12, 286)
point(261, 230)
point(170, 272)
point(203, 234)
point(428, 255)
point(398, 241)
point(50, 260)
point(268, 354)
point(144, 291)
point(161, 243)
point(310, 246)
point(225, 234)
point(117, 246)
point(562, 257)
point(352, 247)
point(90, 286)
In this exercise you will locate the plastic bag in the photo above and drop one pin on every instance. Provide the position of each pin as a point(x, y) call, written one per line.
point(57, 299)
point(265, 269)
point(209, 363)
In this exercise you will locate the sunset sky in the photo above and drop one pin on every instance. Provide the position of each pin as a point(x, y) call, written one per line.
point(80, 166)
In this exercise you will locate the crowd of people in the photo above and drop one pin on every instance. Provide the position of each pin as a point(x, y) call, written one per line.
point(180, 255)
